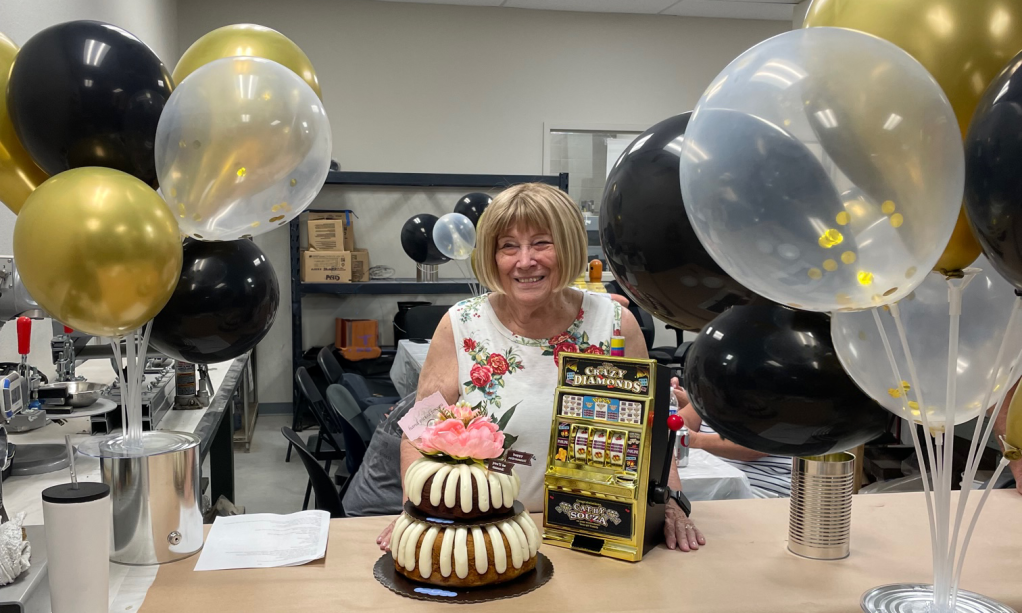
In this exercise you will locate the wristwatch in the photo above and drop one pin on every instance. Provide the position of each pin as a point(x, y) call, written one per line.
point(682, 501)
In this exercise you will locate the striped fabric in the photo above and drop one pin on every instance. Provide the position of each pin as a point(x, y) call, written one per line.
point(769, 476)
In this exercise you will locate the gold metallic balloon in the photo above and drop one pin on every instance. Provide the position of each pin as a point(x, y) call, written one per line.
point(98, 250)
point(246, 39)
point(964, 44)
point(961, 250)
point(1013, 432)
point(19, 175)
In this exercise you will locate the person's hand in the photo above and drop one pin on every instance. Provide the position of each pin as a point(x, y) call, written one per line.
point(680, 532)
point(384, 539)
point(679, 393)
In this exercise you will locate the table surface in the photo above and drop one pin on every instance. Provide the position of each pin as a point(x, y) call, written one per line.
point(745, 566)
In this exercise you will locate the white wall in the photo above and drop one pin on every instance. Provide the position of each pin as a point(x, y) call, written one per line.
point(153, 21)
point(428, 88)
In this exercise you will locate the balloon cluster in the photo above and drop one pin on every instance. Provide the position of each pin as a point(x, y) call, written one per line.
point(237, 140)
point(431, 240)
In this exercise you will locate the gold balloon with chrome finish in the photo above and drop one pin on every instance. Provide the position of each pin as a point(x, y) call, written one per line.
point(98, 250)
point(964, 44)
point(247, 40)
point(19, 175)
point(1013, 431)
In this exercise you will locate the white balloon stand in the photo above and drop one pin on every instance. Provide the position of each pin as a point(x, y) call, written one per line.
point(934, 454)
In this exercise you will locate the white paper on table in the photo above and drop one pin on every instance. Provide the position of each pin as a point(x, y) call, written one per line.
point(265, 540)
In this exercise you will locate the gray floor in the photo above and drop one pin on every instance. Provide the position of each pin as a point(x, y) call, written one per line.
point(264, 483)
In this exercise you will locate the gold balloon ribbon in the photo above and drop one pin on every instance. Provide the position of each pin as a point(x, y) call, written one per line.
point(98, 250)
point(19, 175)
point(247, 40)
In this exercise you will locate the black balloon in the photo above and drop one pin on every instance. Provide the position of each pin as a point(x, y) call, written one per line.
point(86, 93)
point(417, 240)
point(650, 245)
point(993, 183)
point(472, 206)
point(224, 304)
point(766, 377)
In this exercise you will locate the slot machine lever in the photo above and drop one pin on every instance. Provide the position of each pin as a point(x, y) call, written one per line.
point(661, 492)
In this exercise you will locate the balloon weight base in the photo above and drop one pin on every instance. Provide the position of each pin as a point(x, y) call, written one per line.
point(918, 598)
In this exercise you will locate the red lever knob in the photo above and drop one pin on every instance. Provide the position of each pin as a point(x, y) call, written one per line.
point(675, 422)
point(68, 330)
point(24, 335)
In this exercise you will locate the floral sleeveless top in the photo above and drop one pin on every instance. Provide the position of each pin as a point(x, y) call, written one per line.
point(502, 369)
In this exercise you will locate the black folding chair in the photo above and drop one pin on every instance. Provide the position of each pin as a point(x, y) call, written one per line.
point(357, 432)
point(331, 367)
point(327, 497)
point(336, 449)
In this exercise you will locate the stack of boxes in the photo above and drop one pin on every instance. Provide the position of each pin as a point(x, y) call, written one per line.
point(332, 256)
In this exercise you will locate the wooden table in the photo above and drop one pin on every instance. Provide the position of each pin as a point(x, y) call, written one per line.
point(744, 567)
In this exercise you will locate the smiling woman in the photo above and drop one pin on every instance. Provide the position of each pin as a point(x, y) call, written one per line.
point(502, 349)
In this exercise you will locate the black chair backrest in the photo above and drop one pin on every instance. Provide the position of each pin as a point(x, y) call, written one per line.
point(331, 367)
point(328, 426)
point(421, 321)
point(356, 440)
point(327, 497)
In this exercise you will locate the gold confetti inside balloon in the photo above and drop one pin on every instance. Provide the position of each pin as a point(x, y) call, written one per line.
point(986, 306)
point(19, 175)
point(243, 147)
point(98, 250)
point(247, 40)
point(820, 166)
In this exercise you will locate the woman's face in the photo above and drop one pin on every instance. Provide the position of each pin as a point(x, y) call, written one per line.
point(527, 263)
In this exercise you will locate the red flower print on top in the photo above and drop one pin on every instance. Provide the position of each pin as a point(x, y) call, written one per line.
point(498, 363)
point(564, 347)
point(594, 349)
point(468, 344)
point(560, 338)
point(480, 375)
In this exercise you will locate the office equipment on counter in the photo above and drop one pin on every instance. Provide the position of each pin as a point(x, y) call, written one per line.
point(155, 495)
point(610, 456)
point(77, 520)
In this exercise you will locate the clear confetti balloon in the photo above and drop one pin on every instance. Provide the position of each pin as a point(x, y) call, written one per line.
point(986, 305)
point(243, 146)
point(455, 236)
point(823, 169)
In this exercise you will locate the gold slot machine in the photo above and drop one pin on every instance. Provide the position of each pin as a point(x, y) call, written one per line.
point(610, 454)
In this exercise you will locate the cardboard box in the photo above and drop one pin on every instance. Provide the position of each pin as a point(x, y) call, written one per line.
point(357, 338)
point(326, 267)
point(331, 231)
point(359, 266)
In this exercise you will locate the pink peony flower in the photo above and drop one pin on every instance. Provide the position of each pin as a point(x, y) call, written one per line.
point(481, 440)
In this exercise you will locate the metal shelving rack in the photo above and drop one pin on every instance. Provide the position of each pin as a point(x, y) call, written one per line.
point(388, 286)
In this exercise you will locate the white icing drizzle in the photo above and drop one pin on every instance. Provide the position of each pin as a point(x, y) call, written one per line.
point(513, 544)
point(466, 488)
point(531, 532)
point(495, 494)
point(483, 490)
point(506, 490)
point(408, 550)
point(499, 554)
point(461, 552)
point(517, 483)
point(437, 490)
point(523, 541)
point(416, 477)
point(480, 546)
point(446, 548)
point(395, 537)
point(426, 552)
point(451, 489)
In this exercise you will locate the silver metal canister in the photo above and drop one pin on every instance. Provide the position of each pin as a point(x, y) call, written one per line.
point(156, 497)
point(821, 506)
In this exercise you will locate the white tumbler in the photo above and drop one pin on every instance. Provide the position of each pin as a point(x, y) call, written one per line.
point(77, 522)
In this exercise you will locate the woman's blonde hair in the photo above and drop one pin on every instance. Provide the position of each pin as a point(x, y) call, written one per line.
point(539, 207)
